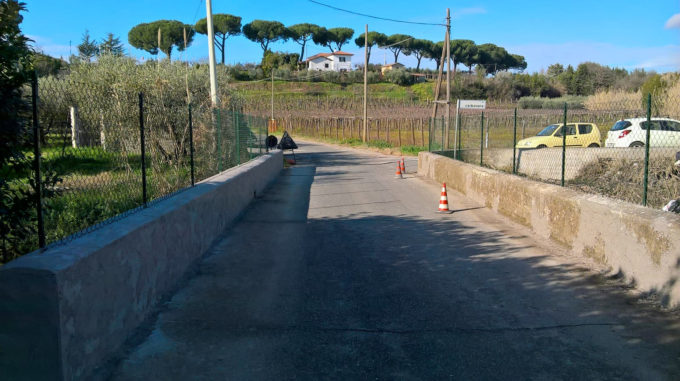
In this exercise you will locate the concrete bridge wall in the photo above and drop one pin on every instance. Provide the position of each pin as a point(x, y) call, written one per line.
point(64, 312)
point(641, 243)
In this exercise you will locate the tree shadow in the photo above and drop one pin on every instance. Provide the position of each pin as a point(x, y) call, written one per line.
point(362, 296)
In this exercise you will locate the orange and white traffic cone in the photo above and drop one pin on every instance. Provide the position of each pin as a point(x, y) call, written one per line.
point(398, 174)
point(444, 201)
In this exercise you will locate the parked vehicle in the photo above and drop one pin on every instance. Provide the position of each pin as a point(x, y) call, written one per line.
point(632, 132)
point(578, 135)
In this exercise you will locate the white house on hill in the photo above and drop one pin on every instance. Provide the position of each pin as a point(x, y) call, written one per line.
point(338, 61)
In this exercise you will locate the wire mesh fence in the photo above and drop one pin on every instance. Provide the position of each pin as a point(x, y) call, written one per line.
point(624, 149)
point(102, 152)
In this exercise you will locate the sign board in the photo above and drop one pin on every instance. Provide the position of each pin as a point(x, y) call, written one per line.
point(471, 105)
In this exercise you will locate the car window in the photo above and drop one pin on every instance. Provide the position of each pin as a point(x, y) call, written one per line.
point(656, 125)
point(571, 130)
point(670, 125)
point(621, 125)
point(585, 128)
point(548, 130)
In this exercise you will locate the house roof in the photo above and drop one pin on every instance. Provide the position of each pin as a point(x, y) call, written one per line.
point(393, 64)
point(326, 55)
point(320, 55)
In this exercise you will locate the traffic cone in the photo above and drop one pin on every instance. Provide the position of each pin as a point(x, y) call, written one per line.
point(444, 201)
point(403, 166)
point(398, 174)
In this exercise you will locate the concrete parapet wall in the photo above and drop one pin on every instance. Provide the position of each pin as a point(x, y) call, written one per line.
point(64, 312)
point(641, 243)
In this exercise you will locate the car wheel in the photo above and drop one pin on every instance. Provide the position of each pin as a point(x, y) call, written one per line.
point(541, 146)
point(593, 145)
point(637, 144)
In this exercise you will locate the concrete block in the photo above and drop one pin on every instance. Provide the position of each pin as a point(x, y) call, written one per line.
point(641, 243)
point(64, 312)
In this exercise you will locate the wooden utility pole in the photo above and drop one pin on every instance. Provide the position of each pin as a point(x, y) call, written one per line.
point(272, 119)
point(448, 76)
point(211, 53)
point(437, 88)
point(365, 85)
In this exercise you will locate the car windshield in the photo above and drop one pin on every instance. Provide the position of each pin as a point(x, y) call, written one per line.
point(621, 125)
point(548, 131)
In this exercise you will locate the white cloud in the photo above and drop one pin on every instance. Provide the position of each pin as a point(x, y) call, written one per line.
point(540, 56)
point(47, 46)
point(673, 22)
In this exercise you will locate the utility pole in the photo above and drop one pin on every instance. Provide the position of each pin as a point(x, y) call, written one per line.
point(211, 53)
point(448, 76)
point(365, 84)
point(272, 119)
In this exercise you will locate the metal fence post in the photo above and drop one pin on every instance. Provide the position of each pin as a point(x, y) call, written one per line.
point(481, 143)
point(514, 145)
point(191, 146)
point(429, 135)
point(143, 149)
point(564, 142)
point(442, 124)
point(218, 118)
point(238, 138)
point(647, 143)
point(36, 162)
point(458, 140)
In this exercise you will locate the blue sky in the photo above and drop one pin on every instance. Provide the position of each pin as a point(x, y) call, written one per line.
point(621, 33)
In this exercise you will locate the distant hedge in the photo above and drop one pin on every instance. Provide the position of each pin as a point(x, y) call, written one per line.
point(572, 101)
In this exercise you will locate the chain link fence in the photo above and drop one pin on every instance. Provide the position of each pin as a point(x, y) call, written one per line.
point(605, 149)
point(103, 152)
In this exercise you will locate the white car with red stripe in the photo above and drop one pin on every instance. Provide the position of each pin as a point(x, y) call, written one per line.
point(632, 132)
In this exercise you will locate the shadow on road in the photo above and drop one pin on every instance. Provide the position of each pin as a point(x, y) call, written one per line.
point(367, 296)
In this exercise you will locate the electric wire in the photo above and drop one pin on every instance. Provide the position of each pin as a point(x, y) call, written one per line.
point(375, 17)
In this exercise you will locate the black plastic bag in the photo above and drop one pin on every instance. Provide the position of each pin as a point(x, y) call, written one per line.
point(286, 142)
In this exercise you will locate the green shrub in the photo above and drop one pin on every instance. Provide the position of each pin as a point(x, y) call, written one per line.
point(573, 103)
point(656, 86)
point(399, 77)
point(352, 141)
point(379, 144)
point(412, 150)
point(530, 103)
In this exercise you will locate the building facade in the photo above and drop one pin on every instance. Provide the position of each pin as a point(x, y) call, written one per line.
point(338, 61)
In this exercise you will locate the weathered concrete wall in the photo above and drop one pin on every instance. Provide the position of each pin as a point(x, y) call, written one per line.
point(65, 311)
point(642, 243)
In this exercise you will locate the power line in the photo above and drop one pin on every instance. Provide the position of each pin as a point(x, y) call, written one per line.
point(396, 43)
point(374, 17)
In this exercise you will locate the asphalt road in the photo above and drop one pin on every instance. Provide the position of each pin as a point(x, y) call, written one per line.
point(342, 272)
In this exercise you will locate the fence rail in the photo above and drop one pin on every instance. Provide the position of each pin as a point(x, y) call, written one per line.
point(100, 152)
point(605, 149)
point(395, 132)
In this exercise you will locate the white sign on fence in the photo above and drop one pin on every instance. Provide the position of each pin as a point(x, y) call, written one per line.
point(466, 105)
point(474, 105)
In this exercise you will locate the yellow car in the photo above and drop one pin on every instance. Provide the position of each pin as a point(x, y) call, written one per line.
point(578, 135)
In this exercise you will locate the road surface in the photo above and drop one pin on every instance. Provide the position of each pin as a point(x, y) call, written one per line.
point(340, 271)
